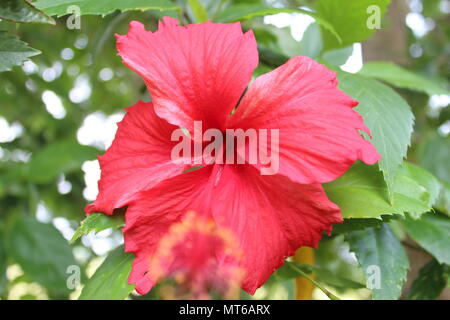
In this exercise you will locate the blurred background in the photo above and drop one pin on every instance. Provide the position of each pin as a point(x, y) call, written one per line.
point(60, 109)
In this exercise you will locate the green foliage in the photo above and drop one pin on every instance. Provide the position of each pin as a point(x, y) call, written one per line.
point(401, 77)
point(380, 248)
point(388, 117)
point(60, 8)
point(13, 52)
point(109, 282)
point(372, 202)
point(435, 157)
point(22, 11)
point(349, 19)
point(444, 199)
point(355, 224)
point(63, 156)
point(41, 251)
point(430, 282)
point(200, 13)
point(362, 193)
point(98, 222)
point(290, 270)
point(3, 266)
point(432, 232)
point(424, 178)
point(240, 12)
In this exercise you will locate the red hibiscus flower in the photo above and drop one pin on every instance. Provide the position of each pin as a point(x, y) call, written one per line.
point(199, 73)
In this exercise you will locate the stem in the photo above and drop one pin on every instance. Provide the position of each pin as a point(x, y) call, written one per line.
point(328, 293)
point(305, 288)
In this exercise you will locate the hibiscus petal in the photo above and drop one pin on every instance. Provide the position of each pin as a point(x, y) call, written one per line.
point(138, 158)
point(149, 218)
point(195, 72)
point(319, 132)
point(271, 216)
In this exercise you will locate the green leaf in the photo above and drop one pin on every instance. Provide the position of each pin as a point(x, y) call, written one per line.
point(355, 224)
point(430, 282)
point(423, 178)
point(98, 222)
point(243, 11)
point(432, 232)
point(444, 198)
point(199, 11)
point(110, 281)
point(388, 117)
point(21, 11)
point(13, 52)
point(41, 251)
point(309, 46)
point(61, 7)
point(338, 57)
point(362, 193)
point(435, 156)
point(63, 156)
point(289, 271)
point(3, 266)
point(349, 19)
point(400, 77)
point(379, 249)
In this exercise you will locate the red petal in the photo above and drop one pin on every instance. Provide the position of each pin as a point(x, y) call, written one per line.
point(150, 216)
point(196, 72)
point(318, 129)
point(271, 216)
point(138, 159)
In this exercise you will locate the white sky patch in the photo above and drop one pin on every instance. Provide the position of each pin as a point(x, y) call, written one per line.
point(419, 25)
point(67, 54)
point(444, 6)
point(18, 155)
point(53, 72)
point(42, 213)
point(29, 67)
point(438, 101)
point(99, 244)
point(91, 176)
point(9, 132)
point(81, 90)
point(103, 241)
point(64, 186)
point(298, 22)
point(444, 129)
point(98, 129)
point(53, 104)
point(81, 42)
point(63, 225)
point(355, 61)
point(415, 5)
point(106, 74)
